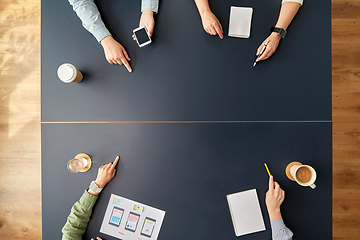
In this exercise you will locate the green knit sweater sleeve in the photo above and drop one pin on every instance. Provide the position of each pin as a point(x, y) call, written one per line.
point(79, 217)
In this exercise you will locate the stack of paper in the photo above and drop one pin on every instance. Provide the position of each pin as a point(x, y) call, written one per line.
point(240, 21)
point(245, 212)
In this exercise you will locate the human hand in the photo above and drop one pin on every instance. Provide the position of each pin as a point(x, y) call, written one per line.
point(211, 24)
point(106, 173)
point(147, 20)
point(273, 43)
point(274, 198)
point(115, 53)
point(98, 238)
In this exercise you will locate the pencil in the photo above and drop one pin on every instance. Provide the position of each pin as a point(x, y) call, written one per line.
point(267, 169)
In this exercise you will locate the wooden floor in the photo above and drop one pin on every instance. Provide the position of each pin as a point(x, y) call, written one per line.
point(20, 178)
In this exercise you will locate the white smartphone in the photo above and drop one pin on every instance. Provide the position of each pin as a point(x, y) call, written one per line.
point(142, 36)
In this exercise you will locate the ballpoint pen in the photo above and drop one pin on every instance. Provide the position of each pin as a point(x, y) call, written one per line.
point(262, 51)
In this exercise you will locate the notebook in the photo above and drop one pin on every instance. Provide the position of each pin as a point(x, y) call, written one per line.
point(245, 212)
point(240, 22)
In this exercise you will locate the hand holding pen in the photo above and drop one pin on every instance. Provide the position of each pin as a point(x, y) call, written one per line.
point(274, 197)
point(272, 43)
point(261, 52)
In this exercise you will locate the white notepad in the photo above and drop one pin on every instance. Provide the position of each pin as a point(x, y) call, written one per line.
point(245, 212)
point(240, 22)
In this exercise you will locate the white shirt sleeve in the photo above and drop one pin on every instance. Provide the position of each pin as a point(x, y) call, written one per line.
point(298, 1)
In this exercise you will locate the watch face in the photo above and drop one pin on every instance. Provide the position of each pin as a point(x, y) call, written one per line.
point(282, 32)
point(94, 187)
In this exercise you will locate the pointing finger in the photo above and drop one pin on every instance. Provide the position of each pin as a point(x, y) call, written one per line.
point(115, 163)
point(271, 183)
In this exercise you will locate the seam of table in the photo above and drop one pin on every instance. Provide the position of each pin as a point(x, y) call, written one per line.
point(94, 122)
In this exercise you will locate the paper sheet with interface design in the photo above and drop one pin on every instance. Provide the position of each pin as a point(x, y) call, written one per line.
point(129, 220)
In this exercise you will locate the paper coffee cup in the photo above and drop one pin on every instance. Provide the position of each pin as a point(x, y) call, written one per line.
point(68, 73)
point(304, 175)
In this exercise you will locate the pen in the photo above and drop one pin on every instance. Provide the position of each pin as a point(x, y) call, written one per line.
point(261, 52)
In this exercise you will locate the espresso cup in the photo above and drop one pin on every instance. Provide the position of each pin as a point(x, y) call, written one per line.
point(68, 73)
point(304, 175)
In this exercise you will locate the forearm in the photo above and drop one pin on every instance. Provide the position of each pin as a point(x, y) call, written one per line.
point(287, 13)
point(79, 217)
point(202, 5)
point(90, 18)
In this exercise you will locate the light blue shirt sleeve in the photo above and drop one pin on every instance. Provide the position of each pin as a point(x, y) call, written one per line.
point(280, 231)
point(91, 19)
point(152, 5)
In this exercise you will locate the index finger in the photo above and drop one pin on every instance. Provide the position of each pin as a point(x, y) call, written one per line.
point(271, 183)
point(264, 55)
point(259, 49)
point(150, 30)
point(218, 29)
point(115, 163)
point(127, 65)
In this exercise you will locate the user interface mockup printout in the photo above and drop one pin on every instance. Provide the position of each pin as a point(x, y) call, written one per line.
point(129, 220)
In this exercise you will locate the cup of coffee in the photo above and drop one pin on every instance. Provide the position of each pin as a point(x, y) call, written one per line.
point(68, 73)
point(304, 175)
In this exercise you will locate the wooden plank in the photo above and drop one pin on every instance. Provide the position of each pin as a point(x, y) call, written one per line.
point(20, 184)
point(345, 9)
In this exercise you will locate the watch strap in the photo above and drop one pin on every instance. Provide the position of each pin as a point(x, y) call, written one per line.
point(94, 187)
point(282, 32)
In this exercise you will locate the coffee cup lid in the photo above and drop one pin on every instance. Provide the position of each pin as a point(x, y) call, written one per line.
point(66, 72)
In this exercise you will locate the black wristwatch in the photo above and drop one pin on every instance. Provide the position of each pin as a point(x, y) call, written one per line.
point(282, 32)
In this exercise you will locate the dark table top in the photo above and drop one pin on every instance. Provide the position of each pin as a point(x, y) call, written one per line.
point(186, 74)
point(187, 170)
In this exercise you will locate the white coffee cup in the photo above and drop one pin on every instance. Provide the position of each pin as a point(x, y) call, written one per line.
point(304, 175)
point(68, 73)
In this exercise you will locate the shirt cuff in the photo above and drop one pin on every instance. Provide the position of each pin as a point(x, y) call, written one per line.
point(277, 225)
point(100, 33)
point(87, 200)
point(151, 5)
point(298, 1)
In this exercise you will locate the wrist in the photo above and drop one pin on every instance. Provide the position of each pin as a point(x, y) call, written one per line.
point(275, 214)
point(204, 11)
point(92, 192)
point(276, 36)
point(106, 40)
point(148, 12)
point(99, 184)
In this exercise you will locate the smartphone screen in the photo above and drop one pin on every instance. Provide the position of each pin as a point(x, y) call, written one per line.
point(148, 227)
point(116, 216)
point(141, 36)
point(132, 221)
